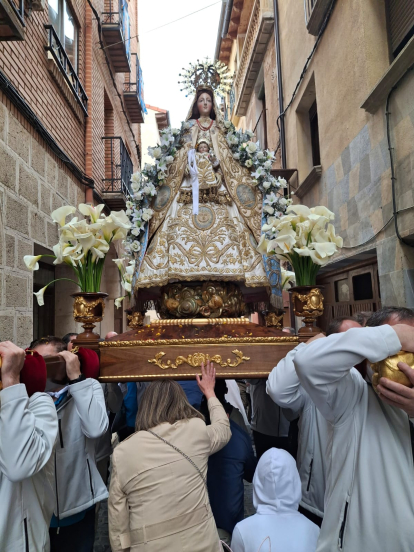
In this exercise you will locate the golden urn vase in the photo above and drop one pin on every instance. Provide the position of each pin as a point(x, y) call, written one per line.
point(88, 309)
point(388, 368)
point(308, 304)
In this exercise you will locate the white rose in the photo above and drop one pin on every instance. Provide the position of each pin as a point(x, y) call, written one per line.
point(236, 155)
point(268, 165)
point(249, 133)
point(283, 201)
point(260, 155)
point(227, 124)
point(147, 190)
point(135, 231)
point(169, 159)
point(156, 152)
point(135, 246)
point(136, 178)
point(186, 125)
point(249, 163)
point(282, 182)
point(138, 196)
point(266, 185)
point(135, 187)
point(251, 147)
point(128, 212)
point(268, 209)
point(175, 131)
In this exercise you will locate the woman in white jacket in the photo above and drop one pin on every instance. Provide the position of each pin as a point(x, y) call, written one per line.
point(28, 429)
point(277, 524)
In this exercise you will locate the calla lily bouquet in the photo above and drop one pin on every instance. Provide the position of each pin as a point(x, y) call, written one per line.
point(83, 244)
point(304, 237)
point(126, 269)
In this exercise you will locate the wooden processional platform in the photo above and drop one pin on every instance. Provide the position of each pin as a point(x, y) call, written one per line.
point(175, 349)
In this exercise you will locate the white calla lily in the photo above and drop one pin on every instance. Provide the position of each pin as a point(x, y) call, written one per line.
point(337, 240)
point(323, 211)
point(31, 261)
point(40, 296)
point(59, 215)
point(300, 210)
point(90, 211)
point(127, 286)
point(262, 245)
point(87, 241)
point(324, 249)
point(118, 301)
point(120, 263)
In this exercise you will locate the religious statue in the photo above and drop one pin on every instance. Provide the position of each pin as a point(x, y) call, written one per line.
point(206, 221)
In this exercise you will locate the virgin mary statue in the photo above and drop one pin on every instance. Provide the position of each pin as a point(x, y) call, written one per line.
point(211, 237)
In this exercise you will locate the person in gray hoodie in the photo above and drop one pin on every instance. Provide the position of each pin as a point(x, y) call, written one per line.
point(369, 499)
point(28, 429)
point(82, 417)
point(277, 524)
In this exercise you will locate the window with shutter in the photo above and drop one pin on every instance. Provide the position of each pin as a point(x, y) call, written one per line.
point(400, 23)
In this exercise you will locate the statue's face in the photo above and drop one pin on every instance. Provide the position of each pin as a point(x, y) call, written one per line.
point(203, 148)
point(204, 104)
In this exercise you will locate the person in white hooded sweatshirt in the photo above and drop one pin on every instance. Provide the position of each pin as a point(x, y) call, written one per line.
point(28, 429)
point(277, 524)
point(369, 498)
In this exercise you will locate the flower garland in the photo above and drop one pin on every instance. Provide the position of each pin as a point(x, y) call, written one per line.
point(144, 185)
point(247, 153)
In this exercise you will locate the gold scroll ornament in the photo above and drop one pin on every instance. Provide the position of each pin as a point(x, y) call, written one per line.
point(312, 303)
point(195, 360)
point(388, 368)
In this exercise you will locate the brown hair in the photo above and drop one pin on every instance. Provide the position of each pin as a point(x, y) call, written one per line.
point(195, 114)
point(334, 325)
point(57, 343)
point(164, 402)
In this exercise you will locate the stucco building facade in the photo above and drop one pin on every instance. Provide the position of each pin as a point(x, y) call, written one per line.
point(331, 75)
point(71, 105)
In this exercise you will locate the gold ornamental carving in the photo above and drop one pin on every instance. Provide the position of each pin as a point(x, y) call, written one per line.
point(135, 319)
point(312, 303)
point(388, 368)
point(198, 321)
point(208, 300)
point(85, 310)
point(197, 359)
point(274, 320)
point(202, 341)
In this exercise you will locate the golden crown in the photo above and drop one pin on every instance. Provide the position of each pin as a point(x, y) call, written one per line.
point(209, 74)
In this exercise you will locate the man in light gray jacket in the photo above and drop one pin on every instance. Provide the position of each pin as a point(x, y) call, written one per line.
point(28, 429)
point(82, 419)
point(369, 500)
point(284, 388)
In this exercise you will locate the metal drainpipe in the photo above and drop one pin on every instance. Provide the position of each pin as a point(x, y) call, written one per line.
point(227, 16)
point(280, 86)
point(88, 90)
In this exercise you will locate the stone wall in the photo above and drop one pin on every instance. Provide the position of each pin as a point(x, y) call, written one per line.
point(32, 184)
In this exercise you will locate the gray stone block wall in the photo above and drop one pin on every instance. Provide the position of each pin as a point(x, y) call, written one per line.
point(32, 185)
point(357, 187)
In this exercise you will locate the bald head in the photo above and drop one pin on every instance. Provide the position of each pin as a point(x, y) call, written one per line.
point(110, 334)
point(342, 324)
point(347, 325)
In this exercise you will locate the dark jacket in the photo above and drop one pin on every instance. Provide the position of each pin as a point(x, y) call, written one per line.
point(226, 471)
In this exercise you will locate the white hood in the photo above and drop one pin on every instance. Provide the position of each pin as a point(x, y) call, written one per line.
point(276, 483)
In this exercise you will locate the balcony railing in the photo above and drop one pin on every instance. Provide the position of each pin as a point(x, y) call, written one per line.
point(134, 96)
point(117, 34)
point(12, 26)
point(58, 53)
point(118, 170)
